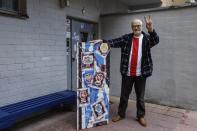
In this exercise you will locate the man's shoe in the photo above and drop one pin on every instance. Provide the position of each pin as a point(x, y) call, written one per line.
point(142, 121)
point(117, 118)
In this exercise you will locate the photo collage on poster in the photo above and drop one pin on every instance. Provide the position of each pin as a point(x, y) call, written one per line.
point(93, 84)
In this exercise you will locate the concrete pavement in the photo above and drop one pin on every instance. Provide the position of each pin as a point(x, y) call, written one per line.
point(159, 118)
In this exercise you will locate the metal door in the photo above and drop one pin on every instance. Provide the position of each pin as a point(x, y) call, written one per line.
point(80, 31)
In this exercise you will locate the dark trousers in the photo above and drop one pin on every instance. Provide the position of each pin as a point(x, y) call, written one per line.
point(127, 84)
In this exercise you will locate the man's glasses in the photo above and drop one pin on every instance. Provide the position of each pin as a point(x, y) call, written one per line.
point(134, 26)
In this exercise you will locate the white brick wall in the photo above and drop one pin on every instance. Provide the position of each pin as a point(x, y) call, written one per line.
point(33, 51)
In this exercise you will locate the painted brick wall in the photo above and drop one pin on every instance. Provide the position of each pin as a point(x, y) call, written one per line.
point(174, 77)
point(33, 60)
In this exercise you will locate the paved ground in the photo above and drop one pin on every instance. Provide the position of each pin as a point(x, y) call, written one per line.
point(159, 118)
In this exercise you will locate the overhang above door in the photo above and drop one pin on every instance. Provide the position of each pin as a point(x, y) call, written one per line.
point(141, 4)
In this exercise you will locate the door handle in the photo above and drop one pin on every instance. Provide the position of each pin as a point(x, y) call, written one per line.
point(73, 59)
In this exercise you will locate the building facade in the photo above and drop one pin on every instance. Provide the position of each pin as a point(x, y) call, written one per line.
point(37, 52)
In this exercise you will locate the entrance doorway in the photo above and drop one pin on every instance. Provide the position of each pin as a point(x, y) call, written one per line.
point(77, 31)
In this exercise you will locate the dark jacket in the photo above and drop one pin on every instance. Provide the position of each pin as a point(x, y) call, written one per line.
point(124, 42)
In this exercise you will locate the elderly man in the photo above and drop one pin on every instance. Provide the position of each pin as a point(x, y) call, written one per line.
point(136, 65)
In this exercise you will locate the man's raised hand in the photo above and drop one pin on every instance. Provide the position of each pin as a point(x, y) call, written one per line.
point(149, 23)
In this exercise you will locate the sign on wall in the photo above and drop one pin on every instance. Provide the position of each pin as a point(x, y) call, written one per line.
point(93, 84)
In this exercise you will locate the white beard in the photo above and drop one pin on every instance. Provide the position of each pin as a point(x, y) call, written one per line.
point(137, 33)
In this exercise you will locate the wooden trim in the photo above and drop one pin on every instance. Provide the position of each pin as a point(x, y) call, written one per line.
point(22, 8)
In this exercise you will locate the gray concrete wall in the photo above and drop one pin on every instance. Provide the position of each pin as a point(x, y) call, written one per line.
point(112, 6)
point(33, 59)
point(174, 77)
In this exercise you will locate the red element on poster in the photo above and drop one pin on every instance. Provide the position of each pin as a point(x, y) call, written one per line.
point(98, 79)
point(87, 60)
